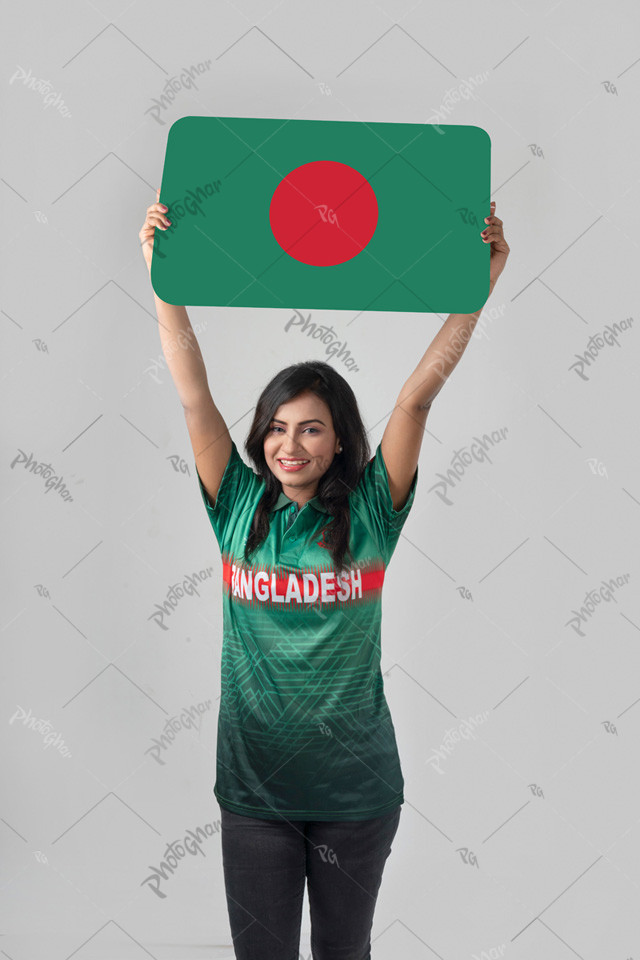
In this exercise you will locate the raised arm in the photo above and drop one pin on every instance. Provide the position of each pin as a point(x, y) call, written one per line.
point(208, 431)
point(403, 435)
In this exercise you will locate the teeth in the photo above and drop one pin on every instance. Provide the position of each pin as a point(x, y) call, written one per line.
point(291, 462)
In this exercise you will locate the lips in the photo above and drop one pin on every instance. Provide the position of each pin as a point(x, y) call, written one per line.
point(292, 466)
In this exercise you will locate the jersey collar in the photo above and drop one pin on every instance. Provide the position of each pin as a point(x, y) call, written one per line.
point(284, 501)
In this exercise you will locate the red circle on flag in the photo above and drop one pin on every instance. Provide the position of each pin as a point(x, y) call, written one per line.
point(323, 213)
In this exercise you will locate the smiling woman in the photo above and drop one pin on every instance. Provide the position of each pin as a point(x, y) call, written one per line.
point(307, 759)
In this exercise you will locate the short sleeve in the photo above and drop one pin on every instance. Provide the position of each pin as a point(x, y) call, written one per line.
point(239, 493)
point(372, 501)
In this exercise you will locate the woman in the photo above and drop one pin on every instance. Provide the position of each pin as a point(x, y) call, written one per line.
point(308, 777)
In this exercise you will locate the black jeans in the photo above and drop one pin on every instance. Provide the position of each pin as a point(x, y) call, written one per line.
point(265, 865)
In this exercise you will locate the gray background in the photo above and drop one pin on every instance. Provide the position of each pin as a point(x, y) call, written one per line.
point(527, 843)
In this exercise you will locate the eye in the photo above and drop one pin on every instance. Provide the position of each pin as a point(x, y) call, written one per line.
point(314, 429)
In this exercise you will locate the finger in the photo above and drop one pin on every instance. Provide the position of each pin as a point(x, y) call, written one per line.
point(498, 243)
point(157, 218)
point(493, 220)
point(163, 223)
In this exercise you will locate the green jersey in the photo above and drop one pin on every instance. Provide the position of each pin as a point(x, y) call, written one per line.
point(304, 729)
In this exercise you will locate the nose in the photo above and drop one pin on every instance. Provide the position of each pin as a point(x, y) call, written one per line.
point(290, 449)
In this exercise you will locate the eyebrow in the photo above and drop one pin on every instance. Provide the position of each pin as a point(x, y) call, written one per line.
point(301, 422)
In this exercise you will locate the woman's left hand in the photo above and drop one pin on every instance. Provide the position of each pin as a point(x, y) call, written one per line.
point(493, 234)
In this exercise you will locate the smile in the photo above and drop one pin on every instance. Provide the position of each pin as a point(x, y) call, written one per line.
point(292, 464)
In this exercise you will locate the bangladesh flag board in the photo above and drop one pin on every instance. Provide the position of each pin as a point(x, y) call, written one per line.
point(325, 214)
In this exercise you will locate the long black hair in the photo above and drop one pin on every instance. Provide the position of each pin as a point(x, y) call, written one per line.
point(346, 468)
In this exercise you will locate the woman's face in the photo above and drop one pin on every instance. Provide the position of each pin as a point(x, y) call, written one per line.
point(302, 429)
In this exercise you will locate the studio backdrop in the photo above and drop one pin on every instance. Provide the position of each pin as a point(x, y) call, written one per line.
point(510, 630)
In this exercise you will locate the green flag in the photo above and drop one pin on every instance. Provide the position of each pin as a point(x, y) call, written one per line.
point(324, 214)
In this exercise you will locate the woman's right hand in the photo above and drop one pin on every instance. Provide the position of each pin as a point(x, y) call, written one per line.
point(155, 218)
